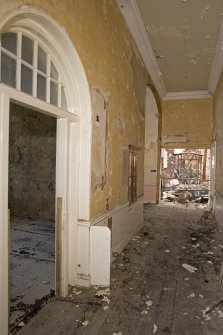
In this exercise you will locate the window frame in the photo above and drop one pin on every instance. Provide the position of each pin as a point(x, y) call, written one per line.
point(61, 98)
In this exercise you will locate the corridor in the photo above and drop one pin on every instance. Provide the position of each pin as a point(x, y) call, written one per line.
point(166, 281)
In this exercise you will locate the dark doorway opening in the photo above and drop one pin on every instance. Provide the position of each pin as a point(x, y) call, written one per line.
point(32, 170)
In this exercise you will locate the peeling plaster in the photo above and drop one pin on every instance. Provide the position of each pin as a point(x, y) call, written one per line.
point(119, 126)
point(204, 12)
point(171, 31)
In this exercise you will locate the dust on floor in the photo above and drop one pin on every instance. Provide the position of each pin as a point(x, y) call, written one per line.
point(166, 281)
point(32, 265)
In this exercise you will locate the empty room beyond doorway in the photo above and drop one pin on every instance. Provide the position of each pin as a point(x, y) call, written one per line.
point(32, 168)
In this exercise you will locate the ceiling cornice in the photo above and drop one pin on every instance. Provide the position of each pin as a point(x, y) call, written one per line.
point(187, 95)
point(130, 11)
point(217, 64)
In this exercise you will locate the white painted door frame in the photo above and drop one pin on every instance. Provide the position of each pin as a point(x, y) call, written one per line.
point(4, 230)
point(66, 182)
point(212, 176)
point(151, 151)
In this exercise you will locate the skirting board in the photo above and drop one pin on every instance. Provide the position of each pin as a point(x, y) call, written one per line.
point(218, 209)
point(126, 222)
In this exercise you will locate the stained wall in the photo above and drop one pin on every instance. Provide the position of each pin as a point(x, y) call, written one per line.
point(115, 70)
point(218, 130)
point(189, 118)
point(32, 164)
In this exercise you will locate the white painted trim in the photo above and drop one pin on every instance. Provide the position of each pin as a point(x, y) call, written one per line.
point(62, 192)
point(218, 210)
point(4, 229)
point(78, 94)
point(217, 64)
point(132, 16)
point(187, 95)
point(26, 100)
point(74, 136)
point(108, 214)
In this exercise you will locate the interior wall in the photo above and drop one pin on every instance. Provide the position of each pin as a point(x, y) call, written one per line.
point(32, 164)
point(114, 68)
point(190, 120)
point(218, 136)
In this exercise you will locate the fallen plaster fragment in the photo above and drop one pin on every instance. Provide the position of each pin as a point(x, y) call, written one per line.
point(144, 312)
point(194, 238)
point(189, 268)
point(149, 303)
point(195, 245)
point(106, 299)
point(21, 324)
point(105, 308)
point(120, 333)
point(185, 313)
point(210, 262)
point(85, 323)
point(78, 292)
point(209, 253)
point(103, 292)
point(201, 296)
point(204, 313)
point(220, 313)
point(186, 279)
point(167, 251)
point(155, 328)
point(192, 295)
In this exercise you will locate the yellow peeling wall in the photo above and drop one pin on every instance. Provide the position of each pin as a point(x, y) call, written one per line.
point(114, 70)
point(218, 121)
point(190, 118)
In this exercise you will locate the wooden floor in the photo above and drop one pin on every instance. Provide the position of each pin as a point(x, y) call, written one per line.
point(151, 290)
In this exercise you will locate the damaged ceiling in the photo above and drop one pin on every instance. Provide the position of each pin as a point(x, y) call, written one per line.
point(183, 35)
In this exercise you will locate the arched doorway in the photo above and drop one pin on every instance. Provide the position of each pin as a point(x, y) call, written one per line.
point(152, 150)
point(28, 83)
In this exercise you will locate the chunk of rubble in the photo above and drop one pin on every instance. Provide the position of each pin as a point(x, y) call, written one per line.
point(205, 313)
point(104, 292)
point(189, 268)
point(144, 312)
point(155, 328)
point(149, 303)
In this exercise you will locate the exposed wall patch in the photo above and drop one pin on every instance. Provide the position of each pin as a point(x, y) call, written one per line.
point(99, 135)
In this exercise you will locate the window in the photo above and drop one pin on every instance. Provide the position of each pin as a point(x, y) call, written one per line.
point(26, 66)
point(132, 183)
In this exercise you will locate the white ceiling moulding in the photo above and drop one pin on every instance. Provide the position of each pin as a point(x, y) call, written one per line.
point(187, 95)
point(130, 11)
point(217, 64)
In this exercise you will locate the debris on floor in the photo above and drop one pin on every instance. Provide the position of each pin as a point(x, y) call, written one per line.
point(155, 294)
point(189, 268)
